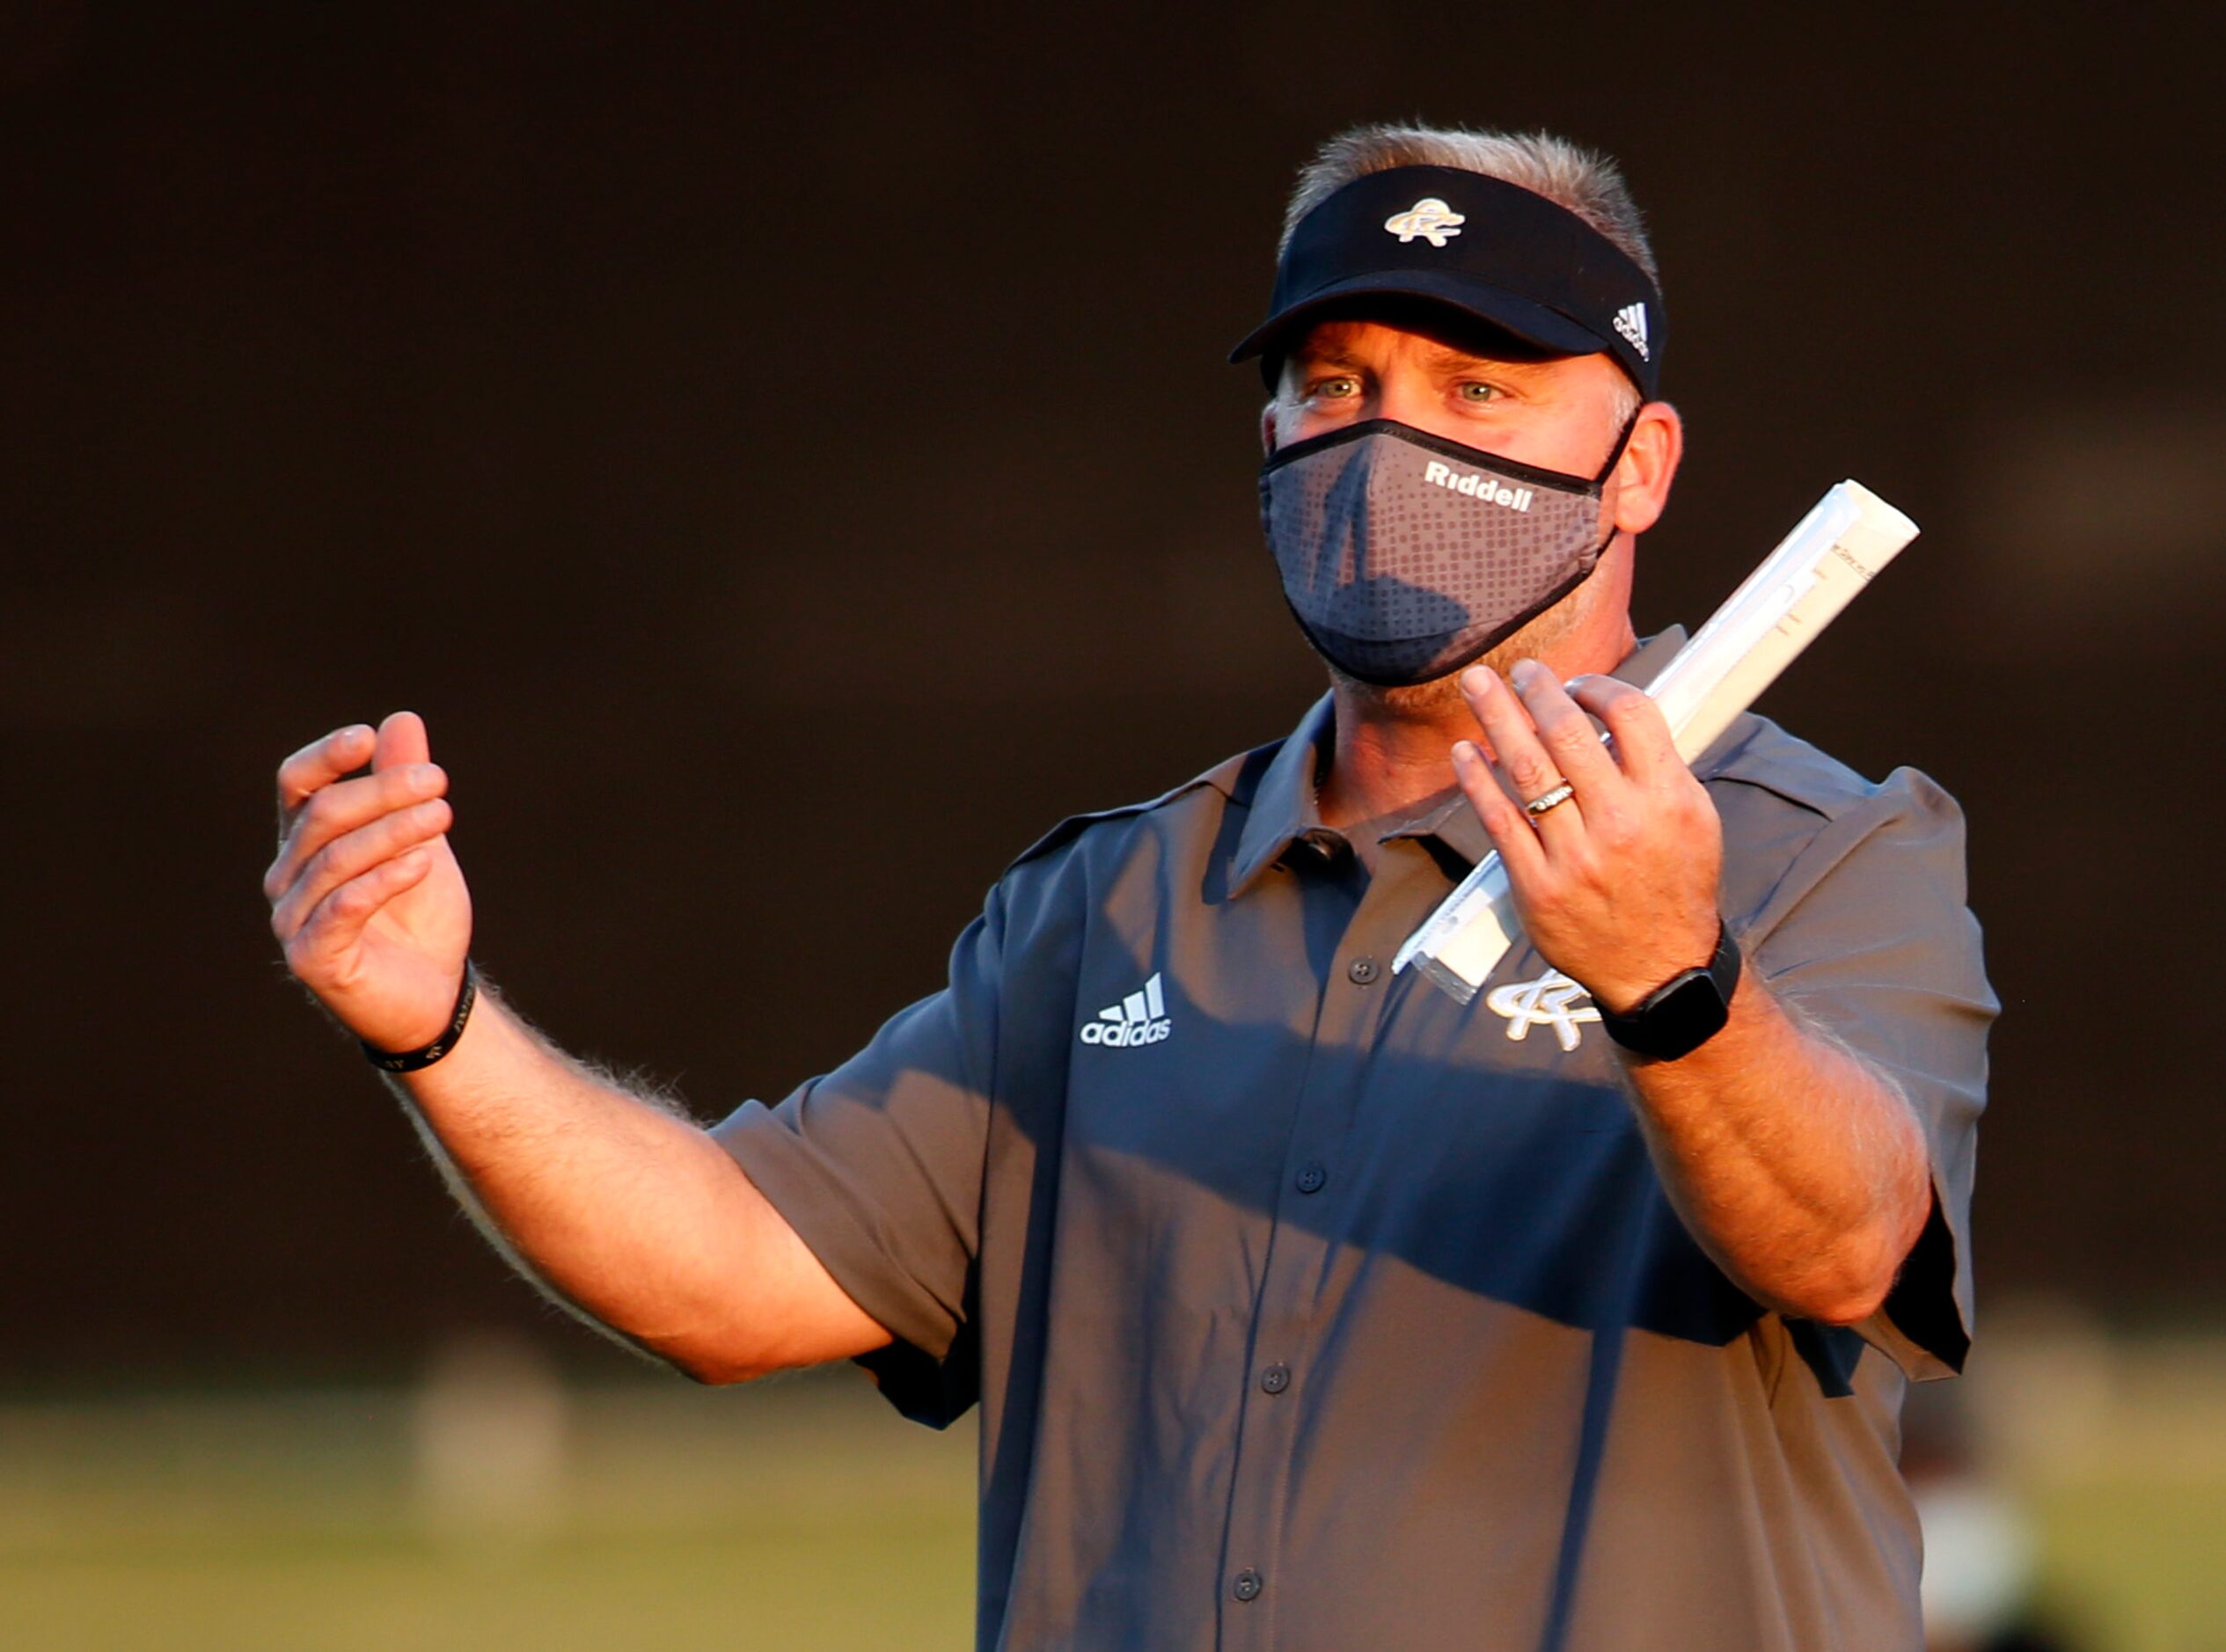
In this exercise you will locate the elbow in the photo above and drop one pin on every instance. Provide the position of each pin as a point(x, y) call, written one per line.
point(1850, 1306)
point(1841, 1299)
point(1872, 1260)
point(710, 1362)
point(710, 1372)
point(1858, 1281)
point(1833, 1294)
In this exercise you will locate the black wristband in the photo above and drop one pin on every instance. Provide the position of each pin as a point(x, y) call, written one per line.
point(411, 1061)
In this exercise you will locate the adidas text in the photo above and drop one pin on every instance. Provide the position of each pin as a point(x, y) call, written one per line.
point(1121, 1035)
point(1476, 487)
point(1140, 1018)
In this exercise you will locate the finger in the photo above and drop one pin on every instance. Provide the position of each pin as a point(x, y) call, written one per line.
point(401, 740)
point(1524, 766)
point(343, 807)
point(337, 923)
point(1503, 818)
point(354, 853)
point(1572, 743)
point(320, 764)
point(1643, 745)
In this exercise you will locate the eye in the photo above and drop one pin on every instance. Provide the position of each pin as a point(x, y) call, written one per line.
point(1476, 392)
point(1335, 387)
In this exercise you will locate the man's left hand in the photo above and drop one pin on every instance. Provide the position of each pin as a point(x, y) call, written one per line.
point(1617, 887)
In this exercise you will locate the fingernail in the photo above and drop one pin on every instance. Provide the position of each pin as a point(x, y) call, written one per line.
point(1524, 672)
point(1478, 679)
point(1464, 751)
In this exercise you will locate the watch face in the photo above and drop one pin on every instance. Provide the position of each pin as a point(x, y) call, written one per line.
point(1687, 1014)
point(1685, 1011)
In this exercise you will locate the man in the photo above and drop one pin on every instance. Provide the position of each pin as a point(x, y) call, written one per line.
point(1306, 1307)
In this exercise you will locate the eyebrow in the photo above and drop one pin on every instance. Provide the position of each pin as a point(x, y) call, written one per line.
point(1317, 355)
point(1442, 359)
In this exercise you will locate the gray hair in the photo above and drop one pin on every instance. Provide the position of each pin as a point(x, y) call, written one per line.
point(1584, 180)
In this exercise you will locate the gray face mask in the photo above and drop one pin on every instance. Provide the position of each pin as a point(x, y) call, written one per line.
point(1405, 556)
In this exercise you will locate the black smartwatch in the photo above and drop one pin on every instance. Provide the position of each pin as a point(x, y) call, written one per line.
point(1686, 1011)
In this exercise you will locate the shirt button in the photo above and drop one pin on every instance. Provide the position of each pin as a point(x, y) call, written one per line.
point(1248, 1587)
point(1312, 1177)
point(1276, 1379)
point(1363, 970)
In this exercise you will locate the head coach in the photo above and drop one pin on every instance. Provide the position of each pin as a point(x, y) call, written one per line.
point(1306, 1307)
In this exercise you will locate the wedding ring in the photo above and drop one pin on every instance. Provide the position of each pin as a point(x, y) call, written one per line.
point(1551, 801)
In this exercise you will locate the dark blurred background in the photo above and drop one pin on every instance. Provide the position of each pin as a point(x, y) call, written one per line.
point(791, 464)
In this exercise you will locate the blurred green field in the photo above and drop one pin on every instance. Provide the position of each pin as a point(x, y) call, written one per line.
point(2138, 1564)
point(2117, 1447)
point(497, 1507)
point(802, 1513)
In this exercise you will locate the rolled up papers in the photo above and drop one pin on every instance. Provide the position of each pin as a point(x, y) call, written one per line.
point(1799, 588)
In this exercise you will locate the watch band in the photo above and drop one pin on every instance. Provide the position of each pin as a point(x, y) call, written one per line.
point(1685, 1011)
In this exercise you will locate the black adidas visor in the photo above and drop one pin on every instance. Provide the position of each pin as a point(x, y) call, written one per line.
point(1484, 247)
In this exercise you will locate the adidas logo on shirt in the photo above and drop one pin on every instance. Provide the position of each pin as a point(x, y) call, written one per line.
point(1630, 321)
point(1141, 1018)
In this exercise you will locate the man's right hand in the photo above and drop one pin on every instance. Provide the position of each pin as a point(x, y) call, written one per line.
point(366, 896)
point(616, 1203)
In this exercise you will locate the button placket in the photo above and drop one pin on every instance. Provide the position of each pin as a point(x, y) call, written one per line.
point(1351, 1005)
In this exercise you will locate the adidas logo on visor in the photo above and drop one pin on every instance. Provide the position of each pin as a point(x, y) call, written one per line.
point(1141, 1018)
point(1630, 321)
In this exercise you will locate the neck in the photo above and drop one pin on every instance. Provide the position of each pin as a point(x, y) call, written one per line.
point(1394, 749)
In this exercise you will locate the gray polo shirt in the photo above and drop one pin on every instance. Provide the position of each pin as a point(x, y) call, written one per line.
point(1309, 1309)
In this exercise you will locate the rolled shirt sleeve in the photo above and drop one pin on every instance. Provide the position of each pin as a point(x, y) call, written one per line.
point(1868, 935)
point(878, 1166)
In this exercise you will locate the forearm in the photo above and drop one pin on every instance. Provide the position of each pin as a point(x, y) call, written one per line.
point(617, 1206)
point(1797, 1166)
point(614, 1203)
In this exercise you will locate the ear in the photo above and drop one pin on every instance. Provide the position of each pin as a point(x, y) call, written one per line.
point(1267, 429)
point(1642, 475)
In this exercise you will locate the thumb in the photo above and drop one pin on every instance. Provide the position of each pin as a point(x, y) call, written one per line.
point(401, 740)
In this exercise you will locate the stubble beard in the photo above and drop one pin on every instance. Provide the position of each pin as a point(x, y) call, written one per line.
point(1434, 698)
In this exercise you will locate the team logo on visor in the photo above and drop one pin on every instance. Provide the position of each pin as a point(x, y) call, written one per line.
point(1430, 218)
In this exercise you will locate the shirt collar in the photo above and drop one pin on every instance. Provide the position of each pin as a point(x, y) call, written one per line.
point(1284, 809)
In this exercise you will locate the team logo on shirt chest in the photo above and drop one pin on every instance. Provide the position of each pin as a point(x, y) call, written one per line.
point(1549, 1001)
point(1140, 1018)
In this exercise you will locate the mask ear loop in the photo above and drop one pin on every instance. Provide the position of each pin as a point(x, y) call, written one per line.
point(1622, 440)
point(1600, 481)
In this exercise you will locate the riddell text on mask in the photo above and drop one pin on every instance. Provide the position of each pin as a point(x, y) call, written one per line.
point(1481, 487)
